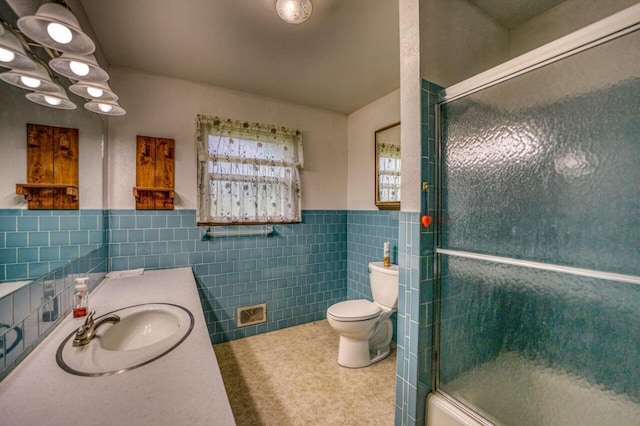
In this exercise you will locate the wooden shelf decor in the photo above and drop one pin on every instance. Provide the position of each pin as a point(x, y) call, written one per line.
point(155, 159)
point(52, 169)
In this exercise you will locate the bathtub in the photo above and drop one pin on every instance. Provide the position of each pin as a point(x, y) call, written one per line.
point(526, 393)
point(441, 412)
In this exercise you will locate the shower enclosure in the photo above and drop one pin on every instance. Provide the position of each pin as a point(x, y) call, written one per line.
point(538, 320)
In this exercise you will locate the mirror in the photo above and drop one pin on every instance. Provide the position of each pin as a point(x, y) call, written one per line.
point(42, 251)
point(37, 242)
point(387, 167)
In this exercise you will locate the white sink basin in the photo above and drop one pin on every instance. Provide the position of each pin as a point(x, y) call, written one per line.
point(144, 334)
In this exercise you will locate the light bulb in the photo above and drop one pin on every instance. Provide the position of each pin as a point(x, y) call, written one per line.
point(59, 33)
point(52, 100)
point(79, 68)
point(30, 82)
point(105, 107)
point(95, 92)
point(6, 55)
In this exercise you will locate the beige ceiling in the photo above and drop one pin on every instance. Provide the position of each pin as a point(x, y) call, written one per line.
point(344, 57)
point(511, 13)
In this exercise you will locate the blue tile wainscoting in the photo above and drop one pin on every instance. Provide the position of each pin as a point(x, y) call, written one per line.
point(35, 242)
point(298, 272)
point(30, 313)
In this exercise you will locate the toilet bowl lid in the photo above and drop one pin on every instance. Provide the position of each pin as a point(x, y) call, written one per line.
point(354, 310)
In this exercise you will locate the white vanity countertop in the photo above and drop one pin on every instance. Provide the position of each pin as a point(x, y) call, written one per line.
point(184, 387)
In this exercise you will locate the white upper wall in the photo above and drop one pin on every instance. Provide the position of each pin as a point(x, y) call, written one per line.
point(561, 20)
point(410, 109)
point(164, 107)
point(458, 40)
point(15, 112)
point(362, 125)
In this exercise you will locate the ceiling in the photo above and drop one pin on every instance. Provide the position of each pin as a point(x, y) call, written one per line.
point(511, 13)
point(344, 57)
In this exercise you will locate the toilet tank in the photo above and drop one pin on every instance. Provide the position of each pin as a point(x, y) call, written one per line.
point(384, 284)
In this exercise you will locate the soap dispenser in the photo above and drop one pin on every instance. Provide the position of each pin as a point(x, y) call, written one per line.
point(80, 298)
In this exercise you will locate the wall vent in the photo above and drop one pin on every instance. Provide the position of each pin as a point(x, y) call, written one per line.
point(250, 315)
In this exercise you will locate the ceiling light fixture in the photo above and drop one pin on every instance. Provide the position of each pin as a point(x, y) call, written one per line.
point(12, 54)
point(79, 67)
point(95, 91)
point(55, 99)
point(56, 27)
point(294, 11)
point(71, 51)
point(37, 78)
point(105, 107)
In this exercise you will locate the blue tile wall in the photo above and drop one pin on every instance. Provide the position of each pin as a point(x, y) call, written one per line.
point(408, 319)
point(414, 377)
point(36, 242)
point(298, 272)
point(31, 312)
point(367, 231)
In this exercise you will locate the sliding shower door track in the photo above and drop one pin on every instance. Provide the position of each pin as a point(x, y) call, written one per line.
point(630, 279)
point(607, 29)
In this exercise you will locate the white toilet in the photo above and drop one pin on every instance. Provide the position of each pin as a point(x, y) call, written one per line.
point(364, 327)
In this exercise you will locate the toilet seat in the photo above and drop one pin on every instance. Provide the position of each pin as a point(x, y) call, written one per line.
point(354, 310)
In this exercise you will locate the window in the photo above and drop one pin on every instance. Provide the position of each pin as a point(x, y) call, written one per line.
point(389, 172)
point(248, 173)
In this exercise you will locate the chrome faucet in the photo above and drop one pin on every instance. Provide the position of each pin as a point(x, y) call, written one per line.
point(88, 331)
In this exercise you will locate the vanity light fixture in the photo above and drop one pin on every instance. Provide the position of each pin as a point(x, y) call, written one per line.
point(56, 27)
point(105, 107)
point(12, 54)
point(30, 79)
point(79, 67)
point(294, 11)
point(55, 99)
point(96, 91)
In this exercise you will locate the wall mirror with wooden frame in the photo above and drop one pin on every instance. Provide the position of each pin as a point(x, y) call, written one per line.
point(387, 167)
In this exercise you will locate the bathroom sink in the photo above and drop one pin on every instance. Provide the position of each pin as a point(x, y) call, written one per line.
point(145, 333)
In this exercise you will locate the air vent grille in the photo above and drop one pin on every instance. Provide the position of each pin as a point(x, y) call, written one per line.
point(250, 315)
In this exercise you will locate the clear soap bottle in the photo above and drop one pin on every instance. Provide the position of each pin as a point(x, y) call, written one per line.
point(80, 298)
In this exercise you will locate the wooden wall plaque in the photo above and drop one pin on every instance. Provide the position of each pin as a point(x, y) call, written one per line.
point(52, 168)
point(155, 159)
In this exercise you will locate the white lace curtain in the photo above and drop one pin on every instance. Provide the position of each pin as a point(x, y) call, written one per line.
point(389, 172)
point(248, 172)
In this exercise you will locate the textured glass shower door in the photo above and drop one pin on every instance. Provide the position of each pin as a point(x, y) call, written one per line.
point(539, 256)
